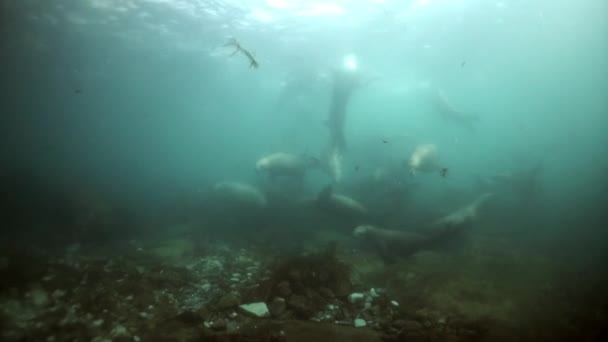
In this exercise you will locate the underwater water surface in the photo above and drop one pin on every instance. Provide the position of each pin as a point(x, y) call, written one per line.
point(281, 170)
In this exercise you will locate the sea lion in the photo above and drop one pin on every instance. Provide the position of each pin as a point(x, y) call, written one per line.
point(449, 113)
point(425, 158)
point(392, 244)
point(241, 194)
point(464, 215)
point(286, 164)
point(340, 204)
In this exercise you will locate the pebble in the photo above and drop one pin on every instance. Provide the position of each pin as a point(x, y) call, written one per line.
point(394, 303)
point(119, 330)
point(356, 297)
point(58, 294)
point(39, 297)
point(358, 323)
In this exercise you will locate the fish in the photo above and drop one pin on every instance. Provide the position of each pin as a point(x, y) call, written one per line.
point(253, 63)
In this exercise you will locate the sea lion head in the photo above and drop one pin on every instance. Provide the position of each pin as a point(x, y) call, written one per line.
point(362, 230)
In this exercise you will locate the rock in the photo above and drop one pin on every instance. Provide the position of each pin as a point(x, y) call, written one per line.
point(356, 297)
point(229, 300)
point(3, 263)
point(255, 309)
point(39, 297)
point(326, 293)
point(358, 323)
point(189, 317)
point(283, 289)
point(411, 325)
point(277, 306)
point(119, 331)
point(301, 306)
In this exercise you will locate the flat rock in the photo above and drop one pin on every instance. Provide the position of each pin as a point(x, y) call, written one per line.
point(255, 309)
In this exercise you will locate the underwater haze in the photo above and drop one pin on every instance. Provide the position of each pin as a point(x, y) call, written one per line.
point(295, 170)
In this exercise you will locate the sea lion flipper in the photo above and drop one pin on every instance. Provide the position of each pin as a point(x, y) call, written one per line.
point(325, 194)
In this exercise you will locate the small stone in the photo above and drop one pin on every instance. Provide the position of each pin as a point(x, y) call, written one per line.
point(256, 309)
point(394, 303)
point(97, 323)
point(356, 297)
point(373, 293)
point(57, 294)
point(219, 325)
point(358, 323)
point(129, 298)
